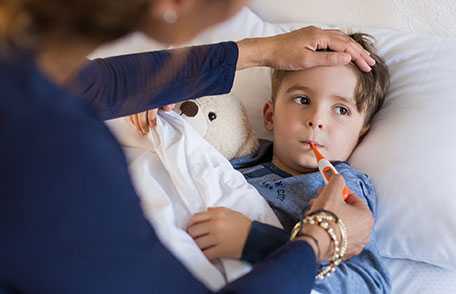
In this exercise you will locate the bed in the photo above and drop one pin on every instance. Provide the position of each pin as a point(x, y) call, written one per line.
point(416, 190)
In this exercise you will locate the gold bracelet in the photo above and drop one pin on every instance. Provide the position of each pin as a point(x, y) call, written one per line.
point(322, 218)
point(297, 233)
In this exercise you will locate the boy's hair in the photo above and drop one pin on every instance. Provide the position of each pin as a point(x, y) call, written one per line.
point(371, 88)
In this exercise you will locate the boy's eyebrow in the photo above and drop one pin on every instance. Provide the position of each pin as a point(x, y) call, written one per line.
point(348, 100)
point(298, 87)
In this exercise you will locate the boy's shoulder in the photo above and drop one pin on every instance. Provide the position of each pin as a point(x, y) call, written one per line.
point(254, 160)
point(358, 182)
point(347, 170)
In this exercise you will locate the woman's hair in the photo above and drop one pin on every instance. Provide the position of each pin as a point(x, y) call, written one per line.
point(26, 22)
point(372, 86)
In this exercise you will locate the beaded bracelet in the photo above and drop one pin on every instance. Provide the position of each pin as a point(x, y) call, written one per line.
point(321, 218)
point(339, 223)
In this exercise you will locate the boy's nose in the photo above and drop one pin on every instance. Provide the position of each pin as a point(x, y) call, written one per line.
point(313, 124)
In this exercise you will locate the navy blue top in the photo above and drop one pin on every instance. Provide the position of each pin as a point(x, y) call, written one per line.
point(70, 219)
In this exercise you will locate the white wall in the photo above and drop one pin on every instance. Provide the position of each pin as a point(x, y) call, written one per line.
point(436, 17)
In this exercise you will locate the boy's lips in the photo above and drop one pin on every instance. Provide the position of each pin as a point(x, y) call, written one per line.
point(308, 142)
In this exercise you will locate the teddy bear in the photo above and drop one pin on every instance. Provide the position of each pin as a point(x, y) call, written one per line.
point(222, 120)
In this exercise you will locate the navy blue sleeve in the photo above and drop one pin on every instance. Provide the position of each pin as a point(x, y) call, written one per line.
point(123, 85)
point(291, 269)
point(262, 241)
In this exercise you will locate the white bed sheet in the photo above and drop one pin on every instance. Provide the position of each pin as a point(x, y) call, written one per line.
point(410, 277)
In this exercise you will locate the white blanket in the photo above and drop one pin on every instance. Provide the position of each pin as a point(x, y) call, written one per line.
point(177, 174)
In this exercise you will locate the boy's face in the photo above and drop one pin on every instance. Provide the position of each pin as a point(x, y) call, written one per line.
point(315, 105)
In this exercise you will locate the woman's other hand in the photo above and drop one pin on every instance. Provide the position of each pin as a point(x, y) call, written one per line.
point(353, 212)
point(146, 120)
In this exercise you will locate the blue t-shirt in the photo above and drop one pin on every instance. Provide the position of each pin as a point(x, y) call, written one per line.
point(289, 197)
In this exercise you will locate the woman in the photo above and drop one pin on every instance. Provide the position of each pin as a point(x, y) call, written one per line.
point(70, 220)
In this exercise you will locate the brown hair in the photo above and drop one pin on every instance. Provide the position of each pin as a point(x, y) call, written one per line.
point(24, 22)
point(371, 88)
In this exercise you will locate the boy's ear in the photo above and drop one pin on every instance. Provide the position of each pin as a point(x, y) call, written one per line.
point(364, 131)
point(268, 115)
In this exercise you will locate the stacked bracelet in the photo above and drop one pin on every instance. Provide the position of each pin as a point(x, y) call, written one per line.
point(323, 218)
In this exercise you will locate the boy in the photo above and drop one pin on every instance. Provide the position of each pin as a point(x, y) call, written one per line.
point(331, 107)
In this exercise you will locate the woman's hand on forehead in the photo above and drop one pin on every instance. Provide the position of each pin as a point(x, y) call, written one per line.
point(301, 49)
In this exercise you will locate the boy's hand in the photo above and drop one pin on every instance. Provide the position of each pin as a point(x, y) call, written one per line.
point(220, 232)
point(146, 120)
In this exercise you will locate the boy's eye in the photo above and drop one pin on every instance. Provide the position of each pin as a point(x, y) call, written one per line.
point(341, 110)
point(305, 100)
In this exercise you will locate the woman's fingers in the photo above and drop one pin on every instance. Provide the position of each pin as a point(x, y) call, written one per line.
point(134, 119)
point(168, 107)
point(331, 193)
point(358, 54)
point(151, 115)
point(152, 118)
point(143, 122)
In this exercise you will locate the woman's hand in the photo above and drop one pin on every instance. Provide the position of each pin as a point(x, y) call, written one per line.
point(297, 50)
point(220, 232)
point(353, 212)
point(146, 120)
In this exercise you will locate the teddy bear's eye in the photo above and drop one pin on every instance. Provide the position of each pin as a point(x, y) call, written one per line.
point(212, 116)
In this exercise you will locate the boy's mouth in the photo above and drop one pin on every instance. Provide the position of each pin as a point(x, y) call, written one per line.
point(308, 142)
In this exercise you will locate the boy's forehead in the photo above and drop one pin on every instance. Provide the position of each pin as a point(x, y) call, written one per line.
point(337, 80)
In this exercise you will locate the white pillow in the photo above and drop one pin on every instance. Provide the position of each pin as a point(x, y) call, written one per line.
point(408, 152)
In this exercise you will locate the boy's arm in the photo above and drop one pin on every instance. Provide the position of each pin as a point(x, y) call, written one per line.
point(222, 232)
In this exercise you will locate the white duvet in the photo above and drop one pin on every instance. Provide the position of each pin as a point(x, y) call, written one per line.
point(177, 174)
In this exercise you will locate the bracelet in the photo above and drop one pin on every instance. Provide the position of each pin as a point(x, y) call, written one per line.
point(322, 218)
point(342, 228)
point(321, 210)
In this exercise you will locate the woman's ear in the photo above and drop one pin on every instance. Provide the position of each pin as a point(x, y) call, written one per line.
point(268, 115)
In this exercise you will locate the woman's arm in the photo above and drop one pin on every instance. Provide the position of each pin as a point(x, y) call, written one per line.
point(123, 85)
point(291, 269)
point(262, 241)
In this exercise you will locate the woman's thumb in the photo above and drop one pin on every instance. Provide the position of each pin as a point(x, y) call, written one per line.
point(335, 187)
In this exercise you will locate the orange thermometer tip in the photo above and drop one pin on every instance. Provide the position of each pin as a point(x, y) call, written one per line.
point(317, 153)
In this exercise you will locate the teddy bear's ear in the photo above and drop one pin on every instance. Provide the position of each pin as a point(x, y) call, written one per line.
point(250, 145)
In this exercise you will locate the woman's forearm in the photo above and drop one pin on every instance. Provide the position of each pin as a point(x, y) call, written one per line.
point(252, 52)
point(128, 84)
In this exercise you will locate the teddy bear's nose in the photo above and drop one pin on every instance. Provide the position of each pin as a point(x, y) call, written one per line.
point(189, 108)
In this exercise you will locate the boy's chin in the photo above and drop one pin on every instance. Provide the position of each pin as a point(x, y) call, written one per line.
point(308, 163)
point(308, 167)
